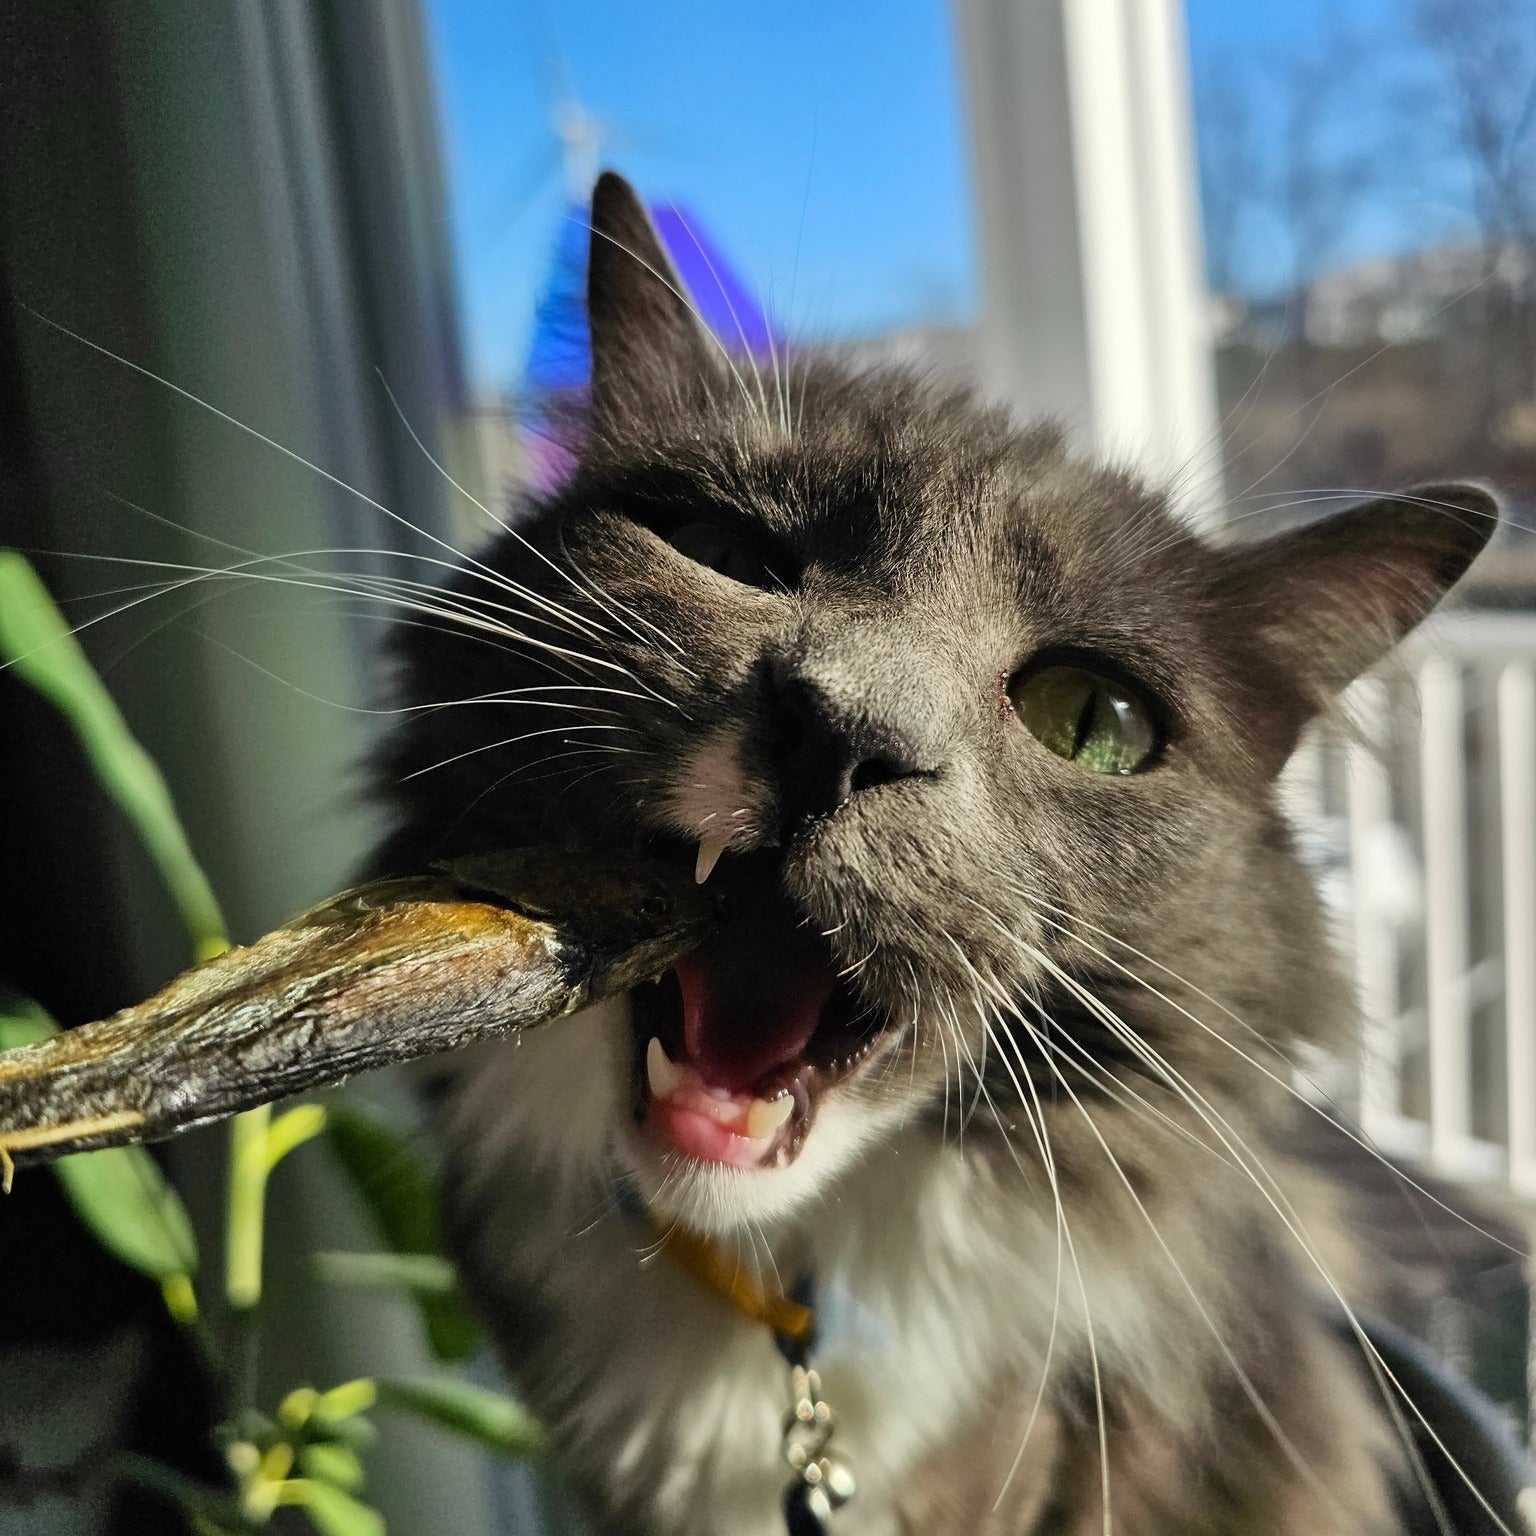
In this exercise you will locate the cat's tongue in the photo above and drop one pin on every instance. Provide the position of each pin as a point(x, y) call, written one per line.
point(753, 994)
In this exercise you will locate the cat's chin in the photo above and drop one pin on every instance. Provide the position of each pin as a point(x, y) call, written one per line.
point(719, 1196)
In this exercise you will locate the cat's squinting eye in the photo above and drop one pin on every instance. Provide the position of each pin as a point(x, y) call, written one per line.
point(1094, 721)
point(723, 549)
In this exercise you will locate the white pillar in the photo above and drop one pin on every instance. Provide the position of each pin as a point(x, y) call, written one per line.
point(1093, 297)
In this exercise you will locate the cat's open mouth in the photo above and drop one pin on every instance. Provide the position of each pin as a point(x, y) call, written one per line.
point(735, 1045)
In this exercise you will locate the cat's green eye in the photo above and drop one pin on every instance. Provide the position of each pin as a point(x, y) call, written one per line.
point(1089, 719)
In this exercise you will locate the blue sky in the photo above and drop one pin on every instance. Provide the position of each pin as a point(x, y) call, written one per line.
point(763, 120)
point(820, 141)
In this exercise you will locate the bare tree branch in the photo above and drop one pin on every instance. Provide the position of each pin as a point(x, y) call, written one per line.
point(1482, 56)
point(1232, 174)
point(1484, 51)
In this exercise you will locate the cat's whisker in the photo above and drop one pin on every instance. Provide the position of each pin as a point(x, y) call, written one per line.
point(1287, 1445)
point(858, 965)
point(1274, 1196)
point(433, 603)
point(607, 1202)
point(509, 741)
point(578, 580)
point(1037, 1122)
point(409, 709)
point(268, 441)
point(1219, 434)
point(1093, 1359)
point(524, 773)
point(648, 1253)
point(557, 612)
point(465, 615)
point(1322, 496)
point(167, 589)
point(1263, 1181)
point(916, 996)
point(773, 1263)
point(1290, 499)
point(940, 1036)
point(1322, 397)
point(805, 379)
point(554, 615)
point(730, 307)
point(471, 566)
point(780, 375)
point(1082, 1061)
point(781, 400)
point(603, 595)
point(962, 1045)
point(495, 643)
point(963, 1050)
point(1336, 1122)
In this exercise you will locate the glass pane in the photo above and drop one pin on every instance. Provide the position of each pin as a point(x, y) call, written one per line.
point(825, 196)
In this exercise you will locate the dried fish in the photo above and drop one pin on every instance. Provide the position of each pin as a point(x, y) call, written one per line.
point(384, 973)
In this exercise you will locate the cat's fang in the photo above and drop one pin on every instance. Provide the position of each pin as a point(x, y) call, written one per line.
point(681, 1098)
point(664, 1078)
point(710, 849)
point(767, 1115)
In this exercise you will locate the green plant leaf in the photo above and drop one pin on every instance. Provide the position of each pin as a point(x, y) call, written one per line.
point(401, 1197)
point(292, 1129)
point(23, 1022)
point(119, 1192)
point(125, 1200)
point(489, 1418)
point(346, 1400)
point(425, 1274)
point(331, 1511)
point(397, 1190)
point(38, 646)
point(328, 1461)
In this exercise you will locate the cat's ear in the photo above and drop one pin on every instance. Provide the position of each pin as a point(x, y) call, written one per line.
point(1325, 602)
point(645, 335)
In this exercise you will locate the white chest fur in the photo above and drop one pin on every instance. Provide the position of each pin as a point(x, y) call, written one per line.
point(932, 1276)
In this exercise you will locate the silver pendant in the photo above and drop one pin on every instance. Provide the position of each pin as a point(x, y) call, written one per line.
point(823, 1482)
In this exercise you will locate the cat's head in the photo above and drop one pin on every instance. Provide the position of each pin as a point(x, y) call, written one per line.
point(976, 738)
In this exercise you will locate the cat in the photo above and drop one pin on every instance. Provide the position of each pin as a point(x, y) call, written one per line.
point(978, 743)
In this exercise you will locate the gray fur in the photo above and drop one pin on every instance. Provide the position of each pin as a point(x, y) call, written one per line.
point(928, 549)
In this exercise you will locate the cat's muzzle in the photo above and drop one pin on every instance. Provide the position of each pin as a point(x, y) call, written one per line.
point(736, 1043)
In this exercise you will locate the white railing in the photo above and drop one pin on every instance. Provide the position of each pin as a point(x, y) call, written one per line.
point(1425, 819)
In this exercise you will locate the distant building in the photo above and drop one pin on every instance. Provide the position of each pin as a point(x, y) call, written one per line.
point(1379, 301)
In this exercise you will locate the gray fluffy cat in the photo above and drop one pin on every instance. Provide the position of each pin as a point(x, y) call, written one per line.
point(979, 744)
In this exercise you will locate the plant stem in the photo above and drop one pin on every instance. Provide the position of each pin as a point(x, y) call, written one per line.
point(246, 1207)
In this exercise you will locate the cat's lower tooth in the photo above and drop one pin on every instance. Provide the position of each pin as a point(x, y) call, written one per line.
point(710, 849)
point(660, 1073)
point(767, 1115)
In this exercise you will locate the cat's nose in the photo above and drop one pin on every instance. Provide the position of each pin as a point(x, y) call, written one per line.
point(826, 752)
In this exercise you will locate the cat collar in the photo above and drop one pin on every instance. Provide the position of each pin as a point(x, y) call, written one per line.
point(822, 1481)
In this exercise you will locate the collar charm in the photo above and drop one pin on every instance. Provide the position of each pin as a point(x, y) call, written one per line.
point(822, 1482)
